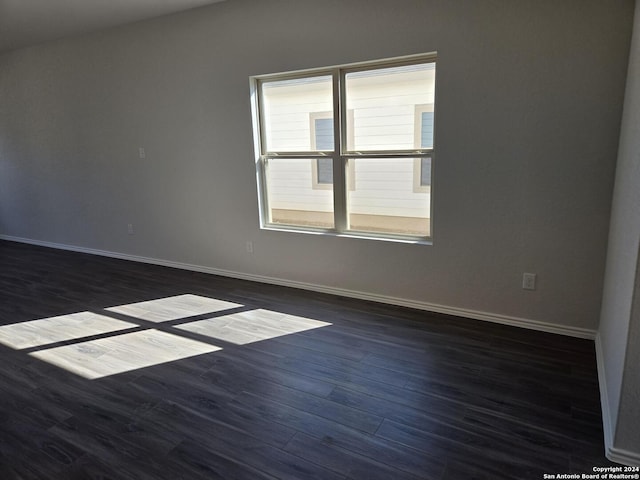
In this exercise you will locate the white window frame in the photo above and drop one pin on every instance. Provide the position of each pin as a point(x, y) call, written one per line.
point(343, 148)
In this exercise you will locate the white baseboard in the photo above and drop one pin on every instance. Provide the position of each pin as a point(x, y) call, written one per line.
point(614, 454)
point(604, 399)
point(625, 457)
point(403, 302)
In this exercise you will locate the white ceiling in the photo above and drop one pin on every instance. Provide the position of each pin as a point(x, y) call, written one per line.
point(28, 22)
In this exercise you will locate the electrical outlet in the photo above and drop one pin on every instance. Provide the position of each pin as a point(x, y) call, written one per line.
point(249, 246)
point(529, 281)
point(130, 228)
point(142, 153)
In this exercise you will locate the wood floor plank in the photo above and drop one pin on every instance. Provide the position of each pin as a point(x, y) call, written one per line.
point(404, 458)
point(483, 452)
point(339, 413)
point(326, 367)
point(199, 462)
point(327, 387)
point(233, 443)
point(257, 369)
point(348, 463)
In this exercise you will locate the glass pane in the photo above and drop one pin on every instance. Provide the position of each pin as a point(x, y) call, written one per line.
point(382, 197)
point(426, 130)
point(291, 196)
point(290, 109)
point(325, 170)
point(425, 172)
point(386, 107)
point(323, 133)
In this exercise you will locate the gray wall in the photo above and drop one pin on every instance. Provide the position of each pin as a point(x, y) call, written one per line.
point(619, 334)
point(529, 104)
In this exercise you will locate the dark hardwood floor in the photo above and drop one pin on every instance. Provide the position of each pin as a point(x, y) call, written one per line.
point(381, 393)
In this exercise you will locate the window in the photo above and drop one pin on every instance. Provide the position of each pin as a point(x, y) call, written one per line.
point(322, 139)
point(367, 130)
point(424, 139)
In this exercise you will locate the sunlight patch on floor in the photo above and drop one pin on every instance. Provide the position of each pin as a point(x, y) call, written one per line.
point(58, 329)
point(173, 308)
point(251, 326)
point(123, 353)
point(115, 352)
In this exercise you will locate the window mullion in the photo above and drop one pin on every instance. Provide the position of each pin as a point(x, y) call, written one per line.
point(339, 164)
point(263, 197)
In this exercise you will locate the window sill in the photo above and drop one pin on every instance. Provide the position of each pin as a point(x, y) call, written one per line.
point(357, 235)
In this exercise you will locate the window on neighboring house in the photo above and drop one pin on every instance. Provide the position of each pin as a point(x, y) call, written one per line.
point(367, 131)
point(322, 140)
point(424, 139)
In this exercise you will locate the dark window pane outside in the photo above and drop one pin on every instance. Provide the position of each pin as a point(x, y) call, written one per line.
point(325, 170)
point(426, 131)
point(324, 141)
point(425, 171)
point(426, 141)
point(324, 133)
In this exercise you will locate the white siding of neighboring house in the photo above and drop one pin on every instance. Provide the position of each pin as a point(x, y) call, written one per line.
point(385, 187)
point(291, 187)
